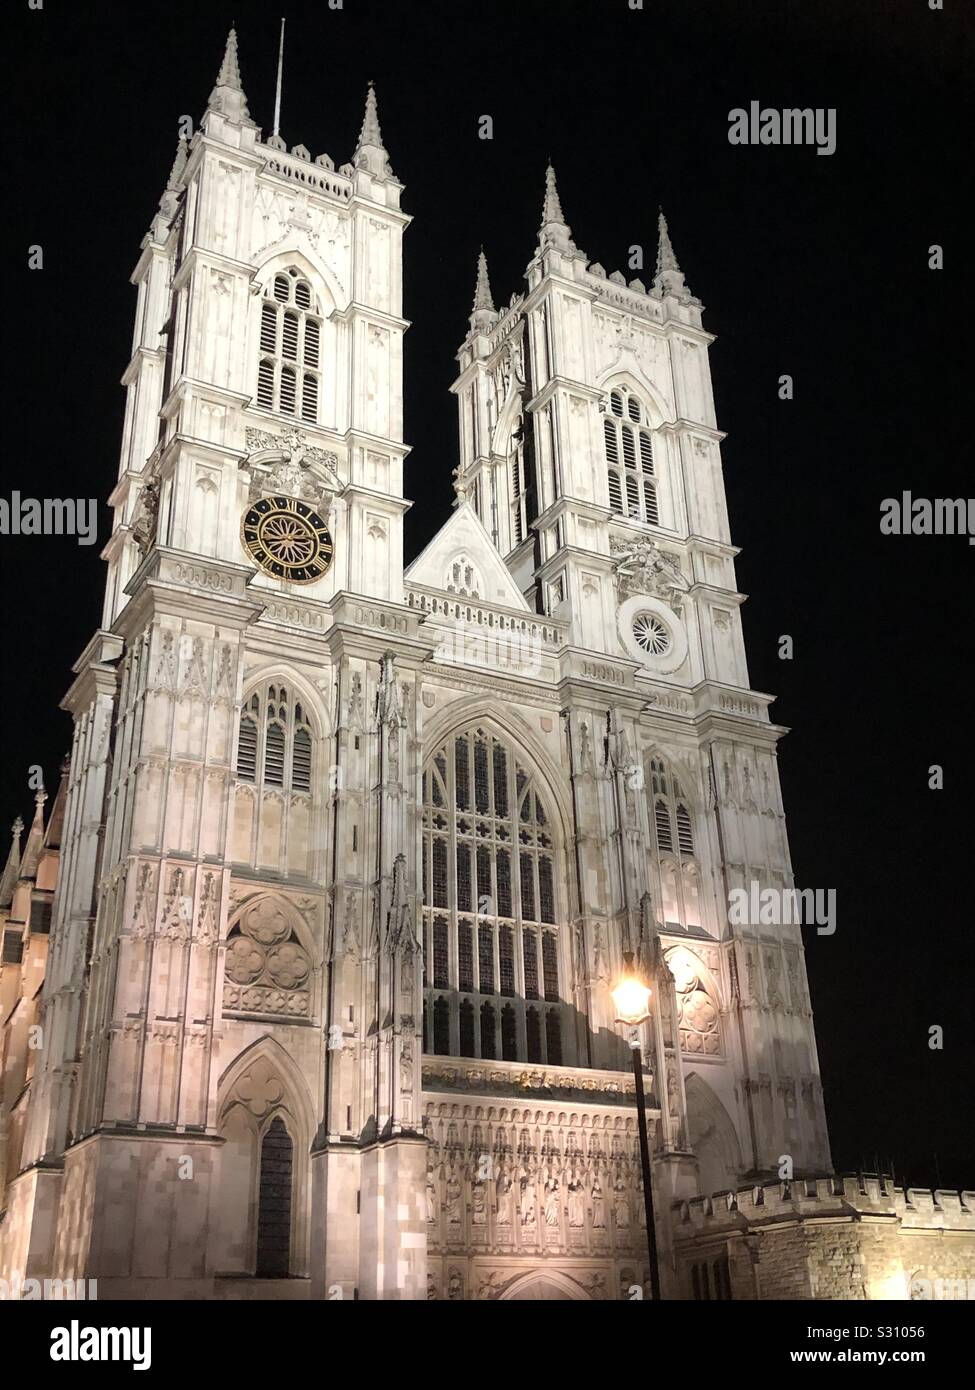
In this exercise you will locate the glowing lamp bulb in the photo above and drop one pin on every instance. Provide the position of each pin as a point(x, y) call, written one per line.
point(631, 996)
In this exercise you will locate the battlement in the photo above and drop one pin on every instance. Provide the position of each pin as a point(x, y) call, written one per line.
point(855, 1197)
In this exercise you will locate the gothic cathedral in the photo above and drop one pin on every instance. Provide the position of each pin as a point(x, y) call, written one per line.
point(343, 867)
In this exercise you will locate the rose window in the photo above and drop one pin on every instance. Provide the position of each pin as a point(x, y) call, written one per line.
point(651, 634)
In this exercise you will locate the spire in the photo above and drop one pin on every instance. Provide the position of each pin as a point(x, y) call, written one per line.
point(669, 278)
point(55, 821)
point(35, 837)
point(370, 134)
point(227, 96)
point(277, 90)
point(551, 207)
point(11, 871)
point(554, 231)
point(179, 164)
point(169, 199)
point(484, 315)
point(370, 152)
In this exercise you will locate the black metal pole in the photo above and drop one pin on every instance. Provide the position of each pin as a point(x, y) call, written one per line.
point(641, 1110)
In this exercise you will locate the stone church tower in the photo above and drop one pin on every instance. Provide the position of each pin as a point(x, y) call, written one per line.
point(349, 854)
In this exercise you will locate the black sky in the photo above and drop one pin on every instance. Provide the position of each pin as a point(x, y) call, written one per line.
point(808, 265)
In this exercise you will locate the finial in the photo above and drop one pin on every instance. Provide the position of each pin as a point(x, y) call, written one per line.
point(179, 164)
point(169, 201)
point(370, 152)
point(484, 315)
point(11, 871)
point(227, 96)
point(669, 278)
point(555, 231)
point(229, 75)
point(552, 207)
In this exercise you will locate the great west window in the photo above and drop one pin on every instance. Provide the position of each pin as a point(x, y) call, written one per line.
point(491, 946)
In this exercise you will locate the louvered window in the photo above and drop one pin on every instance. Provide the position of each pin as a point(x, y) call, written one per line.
point(265, 386)
point(301, 761)
point(288, 374)
point(274, 744)
point(665, 834)
point(274, 755)
point(629, 458)
point(491, 924)
point(685, 835)
point(247, 750)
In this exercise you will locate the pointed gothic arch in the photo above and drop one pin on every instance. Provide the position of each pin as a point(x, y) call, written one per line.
point(262, 1092)
point(294, 250)
point(634, 379)
point(699, 1003)
point(295, 920)
point(278, 815)
point(281, 673)
point(712, 1136)
point(509, 724)
point(545, 1285)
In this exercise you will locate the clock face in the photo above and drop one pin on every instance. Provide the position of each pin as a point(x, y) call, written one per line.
point(287, 539)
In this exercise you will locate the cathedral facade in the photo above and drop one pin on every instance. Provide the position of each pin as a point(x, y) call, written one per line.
point(349, 850)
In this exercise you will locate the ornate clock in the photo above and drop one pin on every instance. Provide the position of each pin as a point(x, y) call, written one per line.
point(287, 539)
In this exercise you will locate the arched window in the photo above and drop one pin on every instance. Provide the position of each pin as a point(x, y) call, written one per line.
point(673, 833)
point(629, 457)
point(274, 1202)
point(289, 371)
point(462, 578)
point(491, 937)
point(670, 811)
point(274, 747)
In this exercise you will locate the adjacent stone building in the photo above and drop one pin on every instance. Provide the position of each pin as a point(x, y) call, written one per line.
point(349, 850)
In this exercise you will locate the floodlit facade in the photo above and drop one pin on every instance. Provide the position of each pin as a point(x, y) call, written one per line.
point(350, 848)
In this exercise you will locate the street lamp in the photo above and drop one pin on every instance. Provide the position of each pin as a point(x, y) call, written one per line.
point(631, 998)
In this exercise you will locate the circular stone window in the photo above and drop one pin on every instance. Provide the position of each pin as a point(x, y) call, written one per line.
point(652, 633)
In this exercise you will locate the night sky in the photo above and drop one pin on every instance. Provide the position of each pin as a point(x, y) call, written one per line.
point(808, 265)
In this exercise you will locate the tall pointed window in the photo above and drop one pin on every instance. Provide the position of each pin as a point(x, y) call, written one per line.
point(629, 457)
point(490, 906)
point(673, 833)
point(274, 747)
point(274, 1202)
point(289, 370)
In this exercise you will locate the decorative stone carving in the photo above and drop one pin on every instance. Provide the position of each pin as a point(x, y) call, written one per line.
point(174, 923)
point(641, 567)
point(697, 1012)
point(266, 968)
point(287, 464)
point(206, 925)
point(146, 516)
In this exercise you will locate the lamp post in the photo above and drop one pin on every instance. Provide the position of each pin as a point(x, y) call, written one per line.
point(632, 1000)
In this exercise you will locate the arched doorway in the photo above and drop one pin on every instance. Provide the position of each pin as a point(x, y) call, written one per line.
point(544, 1286)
